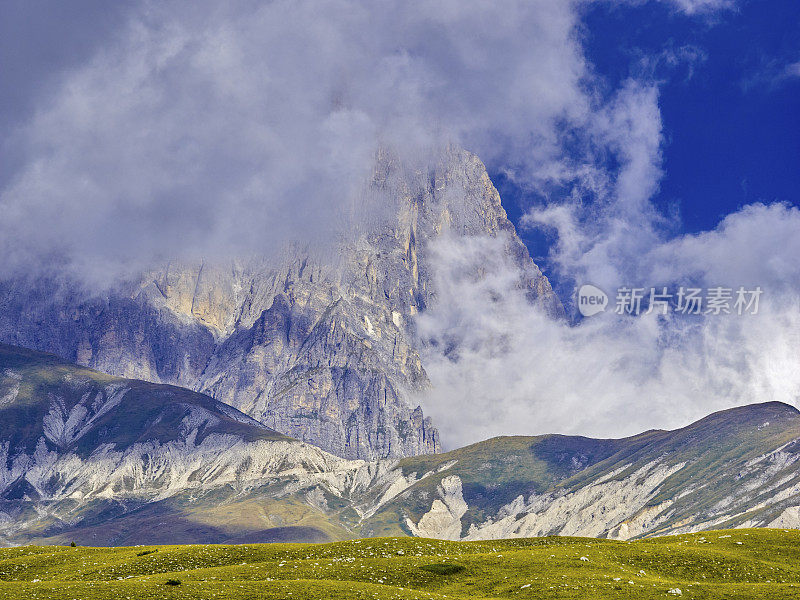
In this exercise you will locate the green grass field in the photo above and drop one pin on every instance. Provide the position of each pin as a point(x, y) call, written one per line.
point(746, 563)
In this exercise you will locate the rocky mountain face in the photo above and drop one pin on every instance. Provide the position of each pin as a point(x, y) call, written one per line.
point(736, 468)
point(323, 351)
point(103, 460)
point(81, 449)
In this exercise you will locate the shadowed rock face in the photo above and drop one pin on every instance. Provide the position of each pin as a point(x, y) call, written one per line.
point(325, 352)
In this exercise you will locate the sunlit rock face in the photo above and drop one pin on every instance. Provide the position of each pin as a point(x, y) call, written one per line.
point(321, 349)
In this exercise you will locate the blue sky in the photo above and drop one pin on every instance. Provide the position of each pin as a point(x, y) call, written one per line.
point(729, 96)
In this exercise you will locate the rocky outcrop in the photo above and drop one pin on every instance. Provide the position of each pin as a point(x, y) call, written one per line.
point(79, 448)
point(322, 350)
point(443, 520)
point(591, 511)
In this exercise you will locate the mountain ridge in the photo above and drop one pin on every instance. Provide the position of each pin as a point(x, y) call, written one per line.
point(99, 459)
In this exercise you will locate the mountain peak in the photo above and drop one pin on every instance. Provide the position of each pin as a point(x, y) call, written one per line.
point(749, 415)
point(323, 353)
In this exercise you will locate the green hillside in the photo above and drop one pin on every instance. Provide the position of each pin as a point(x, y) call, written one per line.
point(716, 450)
point(721, 564)
point(146, 410)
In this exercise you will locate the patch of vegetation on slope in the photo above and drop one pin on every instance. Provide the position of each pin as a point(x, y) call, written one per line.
point(219, 515)
point(145, 411)
point(715, 451)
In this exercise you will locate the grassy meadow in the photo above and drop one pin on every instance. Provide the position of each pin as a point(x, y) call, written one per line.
point(746, 563)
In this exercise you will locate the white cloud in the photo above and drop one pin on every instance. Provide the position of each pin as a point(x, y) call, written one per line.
point(208, 129)
point(693, 7)
point(510, 370)
point(600, 235)
point(515, 371)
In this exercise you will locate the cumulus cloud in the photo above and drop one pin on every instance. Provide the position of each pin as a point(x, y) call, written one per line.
point(204, 129)
point(499, 367)
point(183, 131)
point(610, 219)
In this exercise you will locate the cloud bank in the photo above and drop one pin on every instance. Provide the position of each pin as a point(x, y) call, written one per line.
point(518, 372)
point(207, 130)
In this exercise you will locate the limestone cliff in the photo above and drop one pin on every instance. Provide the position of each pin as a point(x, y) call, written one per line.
point(321, 350)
